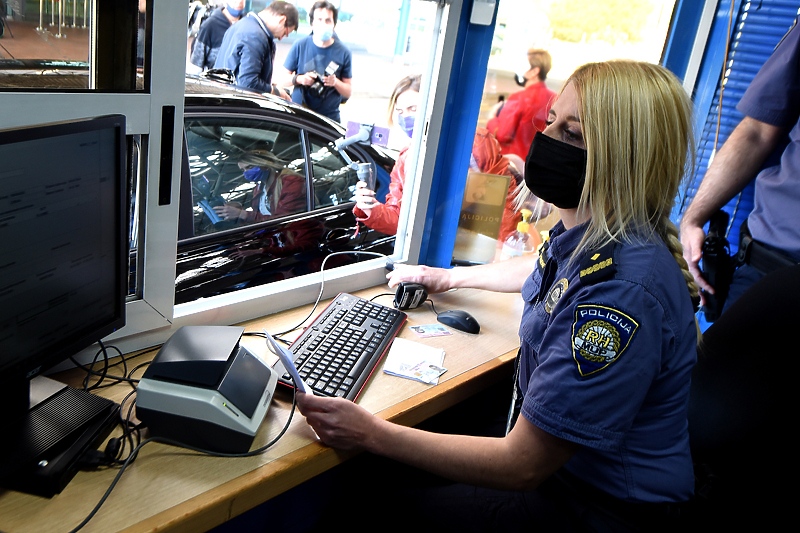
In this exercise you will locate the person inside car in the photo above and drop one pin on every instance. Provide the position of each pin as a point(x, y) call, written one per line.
point(278, 191)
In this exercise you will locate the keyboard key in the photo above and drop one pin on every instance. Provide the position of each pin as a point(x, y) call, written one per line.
point(344, 344)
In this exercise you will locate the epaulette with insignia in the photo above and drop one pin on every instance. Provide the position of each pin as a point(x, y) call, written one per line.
point(544, 254)
point(598, 265)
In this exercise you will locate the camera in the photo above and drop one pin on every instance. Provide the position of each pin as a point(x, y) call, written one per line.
point(318, 86)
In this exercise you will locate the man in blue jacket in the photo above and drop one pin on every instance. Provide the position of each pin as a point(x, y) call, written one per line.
point(248, 48)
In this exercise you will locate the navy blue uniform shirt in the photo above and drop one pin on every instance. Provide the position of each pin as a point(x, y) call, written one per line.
point(608, 343)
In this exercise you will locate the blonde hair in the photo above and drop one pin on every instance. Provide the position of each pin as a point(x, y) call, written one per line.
point(637, 126)
point(540, 58)
point(409, 83)
point(261, 158)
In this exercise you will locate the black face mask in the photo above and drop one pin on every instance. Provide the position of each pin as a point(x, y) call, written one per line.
point(555, 171)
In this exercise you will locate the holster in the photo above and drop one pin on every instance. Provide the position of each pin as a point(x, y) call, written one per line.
point(763, 258)
point(718, 265)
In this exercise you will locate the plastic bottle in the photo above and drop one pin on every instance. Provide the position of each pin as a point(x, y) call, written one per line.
point(520, 242)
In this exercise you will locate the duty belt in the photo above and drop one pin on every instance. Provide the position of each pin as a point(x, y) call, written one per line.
point(760, 256)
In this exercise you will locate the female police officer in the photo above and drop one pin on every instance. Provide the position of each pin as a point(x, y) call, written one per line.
point(608, 335)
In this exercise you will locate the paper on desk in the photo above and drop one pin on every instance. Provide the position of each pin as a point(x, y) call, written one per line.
point(414, 360)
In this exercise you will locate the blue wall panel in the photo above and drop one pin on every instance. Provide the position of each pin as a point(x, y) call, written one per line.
point(464, 95)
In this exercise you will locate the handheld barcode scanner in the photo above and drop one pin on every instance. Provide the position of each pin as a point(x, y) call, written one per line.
point(409, 295)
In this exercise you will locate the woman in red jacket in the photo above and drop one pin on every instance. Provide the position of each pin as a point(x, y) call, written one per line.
point(486, 157)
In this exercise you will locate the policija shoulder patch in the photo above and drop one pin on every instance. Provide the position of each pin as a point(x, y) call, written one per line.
point(600, 335)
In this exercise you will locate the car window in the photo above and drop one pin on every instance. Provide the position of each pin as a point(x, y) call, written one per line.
point(334, 181)
point(243, 171)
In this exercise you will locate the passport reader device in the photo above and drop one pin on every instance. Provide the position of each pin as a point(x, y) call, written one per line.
point(205, 390)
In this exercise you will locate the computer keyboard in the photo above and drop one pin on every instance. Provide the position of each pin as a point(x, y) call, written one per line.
point(338, 352)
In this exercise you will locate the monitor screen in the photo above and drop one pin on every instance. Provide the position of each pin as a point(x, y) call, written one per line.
point(63, 241)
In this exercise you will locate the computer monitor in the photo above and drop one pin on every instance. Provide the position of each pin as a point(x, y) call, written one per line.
point(63, 283)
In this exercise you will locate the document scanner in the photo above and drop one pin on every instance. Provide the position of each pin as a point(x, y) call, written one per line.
point(204, 389)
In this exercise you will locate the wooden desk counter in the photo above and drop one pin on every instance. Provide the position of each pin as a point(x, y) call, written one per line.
point(176, 490)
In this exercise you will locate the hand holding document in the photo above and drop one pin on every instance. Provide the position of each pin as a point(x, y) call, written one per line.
point(288, 363)
point(414, 360)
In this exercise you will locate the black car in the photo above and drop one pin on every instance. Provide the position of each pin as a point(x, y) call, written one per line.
point(223, 125)
point(223, 128)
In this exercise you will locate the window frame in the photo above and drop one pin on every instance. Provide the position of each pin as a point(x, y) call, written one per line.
point(152, 318)
point(152, 309)
point(259, 301)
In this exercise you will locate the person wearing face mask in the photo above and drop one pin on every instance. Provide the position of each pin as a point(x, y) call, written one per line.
point(320, 66)
point(248, 47)
point(212, 31)
point(525, 112)
point(486, 157)
point(368, 210)
point(597, 439)
point(277, 191)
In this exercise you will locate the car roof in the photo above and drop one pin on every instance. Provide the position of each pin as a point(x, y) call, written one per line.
point(204, 92)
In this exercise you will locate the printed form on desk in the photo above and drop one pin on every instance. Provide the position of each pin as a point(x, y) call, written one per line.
point(414, 360)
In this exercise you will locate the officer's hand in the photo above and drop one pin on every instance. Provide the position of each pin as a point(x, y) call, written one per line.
point(433, 279)
point(692, 237)
point(339, 423)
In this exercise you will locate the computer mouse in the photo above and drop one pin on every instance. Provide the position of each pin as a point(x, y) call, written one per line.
point(460, 320)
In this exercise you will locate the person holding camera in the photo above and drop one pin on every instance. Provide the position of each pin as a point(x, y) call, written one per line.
point(320, 66)
point(278, 191)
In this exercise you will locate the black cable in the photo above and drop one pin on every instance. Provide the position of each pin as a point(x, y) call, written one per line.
point(132, 456)
point(10, 55)
point(322, 287)
point(103, 374)
point(264, 336)
point(127, 435)
point(128, 428)
point(380, 295)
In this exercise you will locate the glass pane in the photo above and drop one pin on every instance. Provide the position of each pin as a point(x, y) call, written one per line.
point(243, 172)
point(537, 44)
point(136, 175)
point(482, 211)
point(46, 45)
point(334, 181)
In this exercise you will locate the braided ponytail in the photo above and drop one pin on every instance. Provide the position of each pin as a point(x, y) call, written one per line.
point(669, 232)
